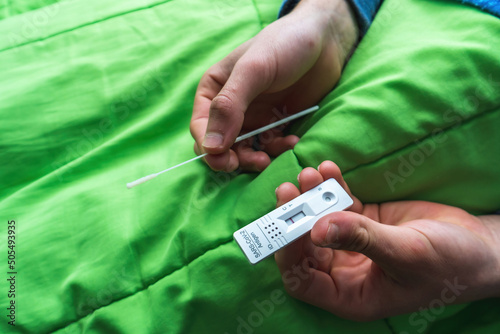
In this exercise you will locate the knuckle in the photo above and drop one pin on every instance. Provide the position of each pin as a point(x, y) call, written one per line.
point(221, 107)
point(192, 130)
point(359, 239)
point(196, 131)
point(206, 77)
point(196, 148)
point(213, 75)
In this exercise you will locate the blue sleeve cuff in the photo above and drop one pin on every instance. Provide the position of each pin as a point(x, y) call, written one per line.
point(287, 6)
point(491, 6)
point(365, 11)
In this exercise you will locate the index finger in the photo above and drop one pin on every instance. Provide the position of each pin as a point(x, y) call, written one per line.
point(210, 85)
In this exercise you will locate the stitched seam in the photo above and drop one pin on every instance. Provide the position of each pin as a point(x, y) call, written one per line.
point(453, 126)
point(259, 17)
point(389, 326)
point(144, 287)
point(86, 25)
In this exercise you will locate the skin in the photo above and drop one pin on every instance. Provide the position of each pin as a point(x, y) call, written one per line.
point(272, 71)
point(379, 260)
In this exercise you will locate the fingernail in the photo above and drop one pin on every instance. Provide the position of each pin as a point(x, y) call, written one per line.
point(276, 190)
point(213, 140)
point(332, 236)
point(298, 177)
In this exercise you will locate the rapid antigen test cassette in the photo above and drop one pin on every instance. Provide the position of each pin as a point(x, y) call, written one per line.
point(290, 221)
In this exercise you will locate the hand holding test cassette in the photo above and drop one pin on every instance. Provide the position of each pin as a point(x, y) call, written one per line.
point(290, 221)
point(377, 260)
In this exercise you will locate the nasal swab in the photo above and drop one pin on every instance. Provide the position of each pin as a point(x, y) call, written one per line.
point(240, 138)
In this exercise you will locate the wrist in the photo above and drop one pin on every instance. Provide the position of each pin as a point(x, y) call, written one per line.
point(338, 21)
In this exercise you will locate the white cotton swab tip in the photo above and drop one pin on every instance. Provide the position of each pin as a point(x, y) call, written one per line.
point(141, 180)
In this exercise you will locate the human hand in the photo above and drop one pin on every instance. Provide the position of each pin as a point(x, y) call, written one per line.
point(380, 260)
point(290, 65)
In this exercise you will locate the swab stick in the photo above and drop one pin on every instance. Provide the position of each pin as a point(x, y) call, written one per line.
point(240, 138)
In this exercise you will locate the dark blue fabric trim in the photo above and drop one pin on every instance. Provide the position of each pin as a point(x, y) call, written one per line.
point(366, 9)
point(365, 12)
point(491, 6)
point(287, 6)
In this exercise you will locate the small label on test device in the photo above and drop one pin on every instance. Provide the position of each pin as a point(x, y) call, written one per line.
point(290, 221)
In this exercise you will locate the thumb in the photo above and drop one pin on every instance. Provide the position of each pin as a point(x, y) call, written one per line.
point(391, 247)
point(250, 77)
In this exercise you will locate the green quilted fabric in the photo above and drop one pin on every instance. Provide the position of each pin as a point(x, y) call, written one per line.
point(95, 94)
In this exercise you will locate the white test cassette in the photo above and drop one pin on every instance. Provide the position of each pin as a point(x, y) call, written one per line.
point(278, 228)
